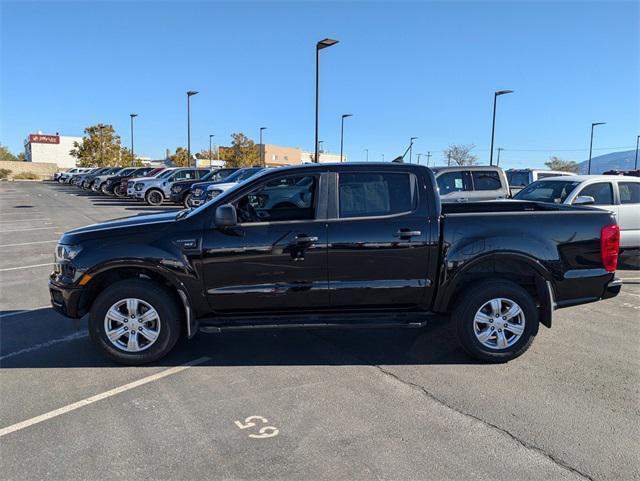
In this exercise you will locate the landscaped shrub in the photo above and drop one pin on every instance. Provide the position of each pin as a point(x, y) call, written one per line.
point(26, 176)
point(4, 173)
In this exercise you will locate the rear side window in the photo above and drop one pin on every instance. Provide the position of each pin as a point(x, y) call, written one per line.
point(456, 181)
point(601, 192)
point(518, 179)
point(376, 194)
point(486, 180)
point(629, 192)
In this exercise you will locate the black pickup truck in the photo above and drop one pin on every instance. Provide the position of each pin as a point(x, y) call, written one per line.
point(353, 245)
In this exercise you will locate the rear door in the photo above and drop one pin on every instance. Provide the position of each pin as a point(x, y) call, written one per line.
point(378, 239)
point(602, 193)
point(629, 213)
point(487, 185)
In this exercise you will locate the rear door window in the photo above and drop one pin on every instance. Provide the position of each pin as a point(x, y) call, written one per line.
point(602, 193)
point(376, 194)
point(486, 180)
point(456, 181)
point(629, 192)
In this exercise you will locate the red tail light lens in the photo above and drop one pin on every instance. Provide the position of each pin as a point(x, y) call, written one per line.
point(610, 246)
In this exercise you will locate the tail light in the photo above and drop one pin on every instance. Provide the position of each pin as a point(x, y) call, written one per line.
point(610, 246)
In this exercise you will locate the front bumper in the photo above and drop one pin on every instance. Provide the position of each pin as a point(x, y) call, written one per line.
point(177, 198)
point(65, 299)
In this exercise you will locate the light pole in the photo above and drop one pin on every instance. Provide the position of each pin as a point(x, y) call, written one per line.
point(327, 42)
point(210, 152)
point(366, 151)
point(262, 159)
point(344, 116)
point(133, 157)
point(591, 145)
point(411, 147)
point(418, 154)
point(500, 149)
point(493, 126)
point(190, 93)
point(636, 163)
point(428, 157)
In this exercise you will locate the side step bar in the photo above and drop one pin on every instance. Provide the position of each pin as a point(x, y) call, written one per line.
point(316, 322)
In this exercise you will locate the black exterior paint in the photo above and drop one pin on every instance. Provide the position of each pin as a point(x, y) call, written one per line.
point(355, 265)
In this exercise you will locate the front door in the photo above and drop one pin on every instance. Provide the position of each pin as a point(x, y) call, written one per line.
point(378, 241)
point(275, 259)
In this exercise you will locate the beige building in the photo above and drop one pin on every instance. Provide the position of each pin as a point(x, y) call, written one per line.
point(51, 149)
point(277, 156)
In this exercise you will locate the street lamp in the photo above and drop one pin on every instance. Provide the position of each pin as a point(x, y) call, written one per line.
point(367, 155)
point(327, 42)
point(344, 116)
point(636, 164)
point(428, 157)
point(133, 157)
point(500, 149)
point(262, 159)
point(493, 127)
point(591, 145)
point(411, 147)
point(210, 152)
point(190, 93)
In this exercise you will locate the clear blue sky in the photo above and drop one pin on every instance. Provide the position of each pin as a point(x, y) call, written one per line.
point(423, 69)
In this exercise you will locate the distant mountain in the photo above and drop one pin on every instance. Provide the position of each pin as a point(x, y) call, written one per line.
point(613, 161)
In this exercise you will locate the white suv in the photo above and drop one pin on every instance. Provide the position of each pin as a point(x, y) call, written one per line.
point(154, 190)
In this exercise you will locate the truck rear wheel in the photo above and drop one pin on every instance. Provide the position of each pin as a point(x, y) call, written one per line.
point(496, 321)
point(135, 322)
point(154, 197)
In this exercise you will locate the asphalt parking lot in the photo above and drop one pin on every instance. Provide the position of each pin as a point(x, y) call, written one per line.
point(383, 404)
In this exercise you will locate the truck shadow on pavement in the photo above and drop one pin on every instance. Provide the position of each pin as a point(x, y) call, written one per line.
point(434, 344)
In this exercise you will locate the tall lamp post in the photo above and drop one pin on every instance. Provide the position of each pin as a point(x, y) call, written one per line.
point(344, 116)
point(500, 149)
point(428, 157)
point(591, 145)
point(262, 159)
point(190, 93)
point(327, 42)
point(411, 147)
point(493, 126)
point(211, 136)
point(133, 157)
point(636, 163)
point(366, 151)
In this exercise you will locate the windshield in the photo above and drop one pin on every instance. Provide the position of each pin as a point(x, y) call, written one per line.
point(126, 171)
point(242, 174)
point(518, 178)
point(219, 175)
point(552, 191)
point(164, 174)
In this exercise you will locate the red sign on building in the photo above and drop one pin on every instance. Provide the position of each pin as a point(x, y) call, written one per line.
point(44, 139)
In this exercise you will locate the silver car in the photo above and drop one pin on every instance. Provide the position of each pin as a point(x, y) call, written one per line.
point(470, 183)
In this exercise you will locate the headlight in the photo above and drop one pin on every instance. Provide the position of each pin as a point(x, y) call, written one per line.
point(65, 252)
point(139, 186)
point(109, 182)
point(213, 193)
point(197, 192)
point(176, 189)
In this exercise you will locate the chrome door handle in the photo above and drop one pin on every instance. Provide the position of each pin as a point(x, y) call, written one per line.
point(407, 233)
point(461, 199)
point(305, 239)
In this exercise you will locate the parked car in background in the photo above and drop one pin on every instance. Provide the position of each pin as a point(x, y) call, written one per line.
point(520, 178)
point(88, 180)
point(105, 183)
point(471, 183)
point(201, 192)
point(131, 183)
point(618, 194)
point(127, 182)
point(118, 185)
point(83, 180)
point(181, 190)
point(98, 180)
point(369, 245)
point(156, 190)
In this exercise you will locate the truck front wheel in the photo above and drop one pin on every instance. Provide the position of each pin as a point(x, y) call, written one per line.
point(135, 321)
point(496, 321)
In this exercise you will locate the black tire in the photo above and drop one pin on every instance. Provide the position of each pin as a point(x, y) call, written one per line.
point(104, 190)
point(118, 191)
point(187, 201)
point(153, 294)
point(473, 298)
point(154, 197)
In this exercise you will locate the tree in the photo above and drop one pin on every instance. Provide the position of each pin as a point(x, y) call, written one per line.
point(22, 157)
point(460, 154)
point(204, 154)
point(243, 152)
point(555, 163)
point(180, 158)
point(126, 159)
point(5, 154)
point(100, 147)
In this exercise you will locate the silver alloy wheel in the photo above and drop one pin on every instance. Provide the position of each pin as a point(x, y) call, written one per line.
point(154, 197)
point(132, 325)
point(499, 323)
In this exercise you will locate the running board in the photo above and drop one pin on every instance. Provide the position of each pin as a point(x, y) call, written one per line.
point(315, 322)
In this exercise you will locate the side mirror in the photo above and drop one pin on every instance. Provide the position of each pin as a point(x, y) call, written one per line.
point(226, 216)
point(584, 200)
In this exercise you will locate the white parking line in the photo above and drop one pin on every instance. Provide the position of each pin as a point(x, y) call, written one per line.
point(28, 243)
point(99, 397)
point(23, 220)
point(42, 345)
point(26, 267)
point(24, 230)
point(23, 311)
